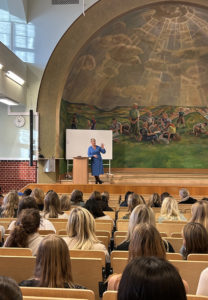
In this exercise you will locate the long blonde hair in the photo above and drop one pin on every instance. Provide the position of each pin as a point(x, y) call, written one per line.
point(140, 214)
point(169, 209)
point(81, 226)
point(38, 194)
point(10, 204)
point(53, 266)
point(199, 211)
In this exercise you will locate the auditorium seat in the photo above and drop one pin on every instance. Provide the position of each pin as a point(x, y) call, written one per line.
point(17, 267)
point(122, 225)
point(190, 271)
point(197, 257)
point(46, 232)
point(175, 242)
point(89, 254)
point(169, 228)
point(174, 256)
point(103, 226)
point(58, 293)
point(111, 214)
point(15, 251)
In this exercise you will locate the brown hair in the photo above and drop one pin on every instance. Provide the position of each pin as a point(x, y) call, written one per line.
point(76, 196)
point(10, 204)
point(38, 194)
point(53, 266)
point(52, 205)
point(195, 239)
point(27, 223)
point(134, 200)
point(199, 212)
point(146, 241)
point(65, 202)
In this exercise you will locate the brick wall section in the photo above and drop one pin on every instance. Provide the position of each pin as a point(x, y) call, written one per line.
point(14, 175)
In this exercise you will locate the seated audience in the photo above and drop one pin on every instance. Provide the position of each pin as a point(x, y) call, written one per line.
point(105, 199)
point(154, 200)
point(77, 198)
point(199, 211)
point(65, 203)
point(164, 195)
point(151, 278)
point(133, 200)
point(10, 204)
point(125, 202)
point(141, 214)
point(27, 192)
point(9, 290)
point(25, 233)
point(185, 197)
point(53, 266)
point(29, 202)
point(195, 239)
point(38, 194)
point(94, 205)
point(81, 231)
point(52, 207)
point(169, 211)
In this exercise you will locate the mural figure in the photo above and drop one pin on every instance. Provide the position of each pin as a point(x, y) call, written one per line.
point(116, 128)
point(134, 119)
point(200, 128)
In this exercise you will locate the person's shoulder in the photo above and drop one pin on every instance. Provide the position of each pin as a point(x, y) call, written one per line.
point(29, 282)
point(123, 246)
point(113, 282)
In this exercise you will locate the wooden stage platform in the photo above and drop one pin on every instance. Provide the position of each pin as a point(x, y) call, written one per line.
point(143, 181)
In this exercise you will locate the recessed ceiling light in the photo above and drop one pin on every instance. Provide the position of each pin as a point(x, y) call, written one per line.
point(15, 77)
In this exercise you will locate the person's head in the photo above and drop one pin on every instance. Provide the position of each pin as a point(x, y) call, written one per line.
point(53, 267)
point(146, 241)
point(154, 200)
point(127, 196)
point(9, 289)
point(26, 202)
point(164, 195)
point(114, 121)
point(52, 205)
point(135, 105)
point(76, 196)
point(140, 214)
point(10, 204)
point(199, 211)
point(38, 194)
point(96, 196)
point(27, 223)
point(27, 192)
point(134, 200)
point(151, 278)
point(65, 202)
point(104, 200)
point(195, 238)
point(93, 142)
point(94, 207)
point(81, 226)
point(184, 194)
point(169, 209)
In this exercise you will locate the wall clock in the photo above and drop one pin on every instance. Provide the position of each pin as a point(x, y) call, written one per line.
point(19, 121)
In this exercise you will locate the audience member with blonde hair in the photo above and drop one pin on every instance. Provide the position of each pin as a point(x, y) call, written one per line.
point(52, 207)
point(65, 202)
point(195, 239)
point(10, 204)
point(81, 231)
point(133, 200)
point(170, 211)
point(38, 194)
point(199, 211)
point(53, 266)
point(141, 214)
point(25, 233)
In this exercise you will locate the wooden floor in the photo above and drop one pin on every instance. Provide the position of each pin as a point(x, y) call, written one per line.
point(144, 181)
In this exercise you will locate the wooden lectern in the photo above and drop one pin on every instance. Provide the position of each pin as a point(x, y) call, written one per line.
point(80, 170)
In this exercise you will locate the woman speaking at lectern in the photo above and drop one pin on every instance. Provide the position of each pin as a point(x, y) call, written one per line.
point(96, 160)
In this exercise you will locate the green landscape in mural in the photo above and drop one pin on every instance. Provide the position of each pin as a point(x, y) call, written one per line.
point(186, 148)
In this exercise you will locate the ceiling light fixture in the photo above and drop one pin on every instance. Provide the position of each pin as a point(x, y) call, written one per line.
point(8, 101)
point(15, 77)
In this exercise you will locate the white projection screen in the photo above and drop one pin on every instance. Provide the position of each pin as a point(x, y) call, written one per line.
point(78, 141)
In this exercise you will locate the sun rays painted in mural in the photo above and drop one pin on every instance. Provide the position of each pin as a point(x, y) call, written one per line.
point(156, 57)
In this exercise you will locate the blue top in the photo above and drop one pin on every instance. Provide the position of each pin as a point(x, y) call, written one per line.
point(96, 163)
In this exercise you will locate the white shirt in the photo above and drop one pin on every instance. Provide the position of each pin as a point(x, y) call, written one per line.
point(44, 225)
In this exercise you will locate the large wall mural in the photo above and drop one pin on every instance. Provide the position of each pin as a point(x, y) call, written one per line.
point(148, 70)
